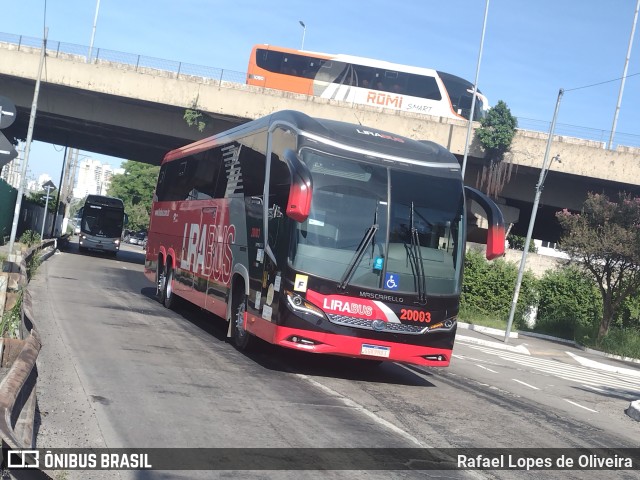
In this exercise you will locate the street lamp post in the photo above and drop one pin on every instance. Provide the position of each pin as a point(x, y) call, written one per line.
point(304, 31)
point(546, 164)
point(93, 31)
point(475, 92)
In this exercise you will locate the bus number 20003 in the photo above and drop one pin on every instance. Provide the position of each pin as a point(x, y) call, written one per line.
point(415, 315)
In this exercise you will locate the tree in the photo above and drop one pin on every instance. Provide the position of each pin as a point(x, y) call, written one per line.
point(497, 130)
point(604, 240)
point(495, 134)
point(135, 187)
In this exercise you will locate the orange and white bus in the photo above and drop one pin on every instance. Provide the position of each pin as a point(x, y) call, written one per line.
point(364, 81)
point(318, 235)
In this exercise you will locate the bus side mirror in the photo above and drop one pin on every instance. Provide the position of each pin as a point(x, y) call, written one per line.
point(126, 219)
point(495, 231)
point(301, 189)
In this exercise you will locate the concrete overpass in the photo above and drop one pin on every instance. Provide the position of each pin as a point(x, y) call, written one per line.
point(136, 113)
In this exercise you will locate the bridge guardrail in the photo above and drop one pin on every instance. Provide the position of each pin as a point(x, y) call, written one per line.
point(178, 69)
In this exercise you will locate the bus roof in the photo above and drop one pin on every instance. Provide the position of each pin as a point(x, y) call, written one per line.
point(364, 139)
point(104, 201)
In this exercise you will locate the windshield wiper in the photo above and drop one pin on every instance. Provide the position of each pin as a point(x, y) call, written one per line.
point(416, 259)
point(422, 281)
point(357, 257)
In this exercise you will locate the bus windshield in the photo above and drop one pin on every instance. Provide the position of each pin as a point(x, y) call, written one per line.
point(102, 221)
point(380, 227)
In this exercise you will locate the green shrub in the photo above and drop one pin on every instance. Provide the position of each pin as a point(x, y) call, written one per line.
point(517, 242)
point(11, 319)
point(29, 238)
point(488, 288)
point(570, 304)
point(629, 313)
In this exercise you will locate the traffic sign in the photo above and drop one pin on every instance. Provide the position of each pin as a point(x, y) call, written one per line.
point(7, 151)
point(7, 112)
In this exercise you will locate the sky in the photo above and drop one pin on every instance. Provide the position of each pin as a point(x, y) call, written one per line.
point(531, 48)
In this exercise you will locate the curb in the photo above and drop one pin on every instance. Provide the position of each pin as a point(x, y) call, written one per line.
point(489, 330)
point(601, 366)
point(634, 410)
point(497, 345)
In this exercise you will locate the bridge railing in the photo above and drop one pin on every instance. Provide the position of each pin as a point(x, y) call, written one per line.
point(159, 66)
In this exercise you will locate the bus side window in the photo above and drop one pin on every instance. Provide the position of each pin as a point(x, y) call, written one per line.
point(252, 164)
point(206, 175)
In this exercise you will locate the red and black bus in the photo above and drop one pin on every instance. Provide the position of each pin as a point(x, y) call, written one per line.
point(318, 235)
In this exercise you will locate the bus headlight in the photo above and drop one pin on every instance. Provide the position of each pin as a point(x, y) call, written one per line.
point(299, 304)
point(117, 242)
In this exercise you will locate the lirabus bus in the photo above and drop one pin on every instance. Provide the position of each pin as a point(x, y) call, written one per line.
point(102, 220)
point(364, 81)
point(318, 235)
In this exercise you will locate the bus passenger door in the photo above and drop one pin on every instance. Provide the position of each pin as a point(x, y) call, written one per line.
point(256, 255)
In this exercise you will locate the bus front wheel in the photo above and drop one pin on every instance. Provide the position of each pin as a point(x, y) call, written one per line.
point(244, 341)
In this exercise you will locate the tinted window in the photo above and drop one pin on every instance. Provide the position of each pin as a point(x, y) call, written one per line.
point(288, 63)
point(191, 178)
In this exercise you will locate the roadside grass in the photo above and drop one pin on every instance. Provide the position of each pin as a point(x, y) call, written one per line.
point(618, 341)
point(623, 342)
point(481, 319)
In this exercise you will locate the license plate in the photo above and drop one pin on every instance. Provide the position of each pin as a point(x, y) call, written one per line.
point(375, 350)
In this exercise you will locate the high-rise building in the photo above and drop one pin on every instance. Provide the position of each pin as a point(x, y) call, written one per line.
point(11, 172)
point(93, 178)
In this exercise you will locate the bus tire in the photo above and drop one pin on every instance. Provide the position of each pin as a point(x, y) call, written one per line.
point(161, 280)
point(169, 297)
point(243, 340)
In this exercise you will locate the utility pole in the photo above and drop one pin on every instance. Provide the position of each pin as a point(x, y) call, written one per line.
point(71, 178)
point(48, 187)
point(32, 119)
point(624, 76)
point(546, 164)
point(63, 172)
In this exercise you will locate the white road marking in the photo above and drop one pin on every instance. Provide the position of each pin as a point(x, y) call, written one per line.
point(482, 366)
point(581, 406)
point(525, 384)
point(574, 373)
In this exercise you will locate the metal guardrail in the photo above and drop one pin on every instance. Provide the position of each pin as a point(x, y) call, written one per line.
point(203, 73)
point(18, 387)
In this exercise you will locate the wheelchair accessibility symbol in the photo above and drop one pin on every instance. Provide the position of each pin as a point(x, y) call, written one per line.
point(391, 281)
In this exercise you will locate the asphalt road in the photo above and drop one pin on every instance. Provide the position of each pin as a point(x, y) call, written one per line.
point(119, 370)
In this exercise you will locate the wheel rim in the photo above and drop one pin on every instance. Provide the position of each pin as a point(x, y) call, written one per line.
point(168, 280)
point(240, 331)
point(160, 279)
